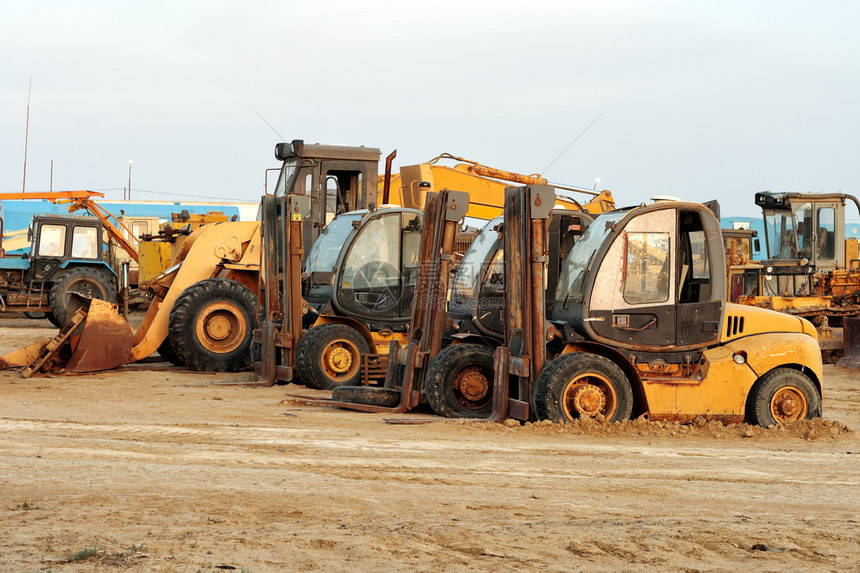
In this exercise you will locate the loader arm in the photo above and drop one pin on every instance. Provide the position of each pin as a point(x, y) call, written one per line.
point(208, 248)
point(105, 216)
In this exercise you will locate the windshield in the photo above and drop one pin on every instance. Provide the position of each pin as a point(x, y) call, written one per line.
point(780, 235)
point(473, 261)
point(287, 172)
point(327, 247)
point(577, 264)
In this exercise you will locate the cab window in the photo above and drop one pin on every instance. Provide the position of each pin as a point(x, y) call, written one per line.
point(52, 240)
point(827, 233)
point(85, 243)
point(411, 247)
point(374, 257)
point(646, 279)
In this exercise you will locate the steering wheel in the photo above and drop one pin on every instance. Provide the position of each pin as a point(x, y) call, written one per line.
point(377, 274)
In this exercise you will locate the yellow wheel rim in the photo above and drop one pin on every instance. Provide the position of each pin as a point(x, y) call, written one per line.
point(340, 359)
point(221, 327)
point(788, 405)
point(588, 395)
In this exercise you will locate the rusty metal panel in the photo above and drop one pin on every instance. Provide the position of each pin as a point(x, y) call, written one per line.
point(851, 337)
point(105, 341)
point(154, 259)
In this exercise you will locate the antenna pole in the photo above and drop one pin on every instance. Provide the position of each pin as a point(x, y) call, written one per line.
point(26, 137)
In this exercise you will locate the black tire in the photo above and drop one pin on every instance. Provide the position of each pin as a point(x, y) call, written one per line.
point(212, 324)
point(299, 356)
point(368, 395)
point(36, 315)
point(53, 319)
point(165, 349)
point(83, 280)
point(459, 382)
point(581, 384)
point(331, 357)
point(783, 395)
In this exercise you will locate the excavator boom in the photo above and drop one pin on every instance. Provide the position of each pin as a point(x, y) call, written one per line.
point(485, 185)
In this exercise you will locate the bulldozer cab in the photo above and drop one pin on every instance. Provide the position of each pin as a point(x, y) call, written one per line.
point(804, 227)
point(646, 279)
point(364, 265)
point(339, 179)
point(477, 300)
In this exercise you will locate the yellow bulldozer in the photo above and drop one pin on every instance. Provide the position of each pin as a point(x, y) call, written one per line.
point(811, 269)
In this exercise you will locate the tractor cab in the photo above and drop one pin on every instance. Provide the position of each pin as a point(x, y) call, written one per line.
point(364, 265)
point(57, 241)
point(646, 279)
point(477, 300)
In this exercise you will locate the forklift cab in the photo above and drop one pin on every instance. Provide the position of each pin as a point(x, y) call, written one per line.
point(364, 265)
point(646, 279)
point(477, 300)
point(339, 179)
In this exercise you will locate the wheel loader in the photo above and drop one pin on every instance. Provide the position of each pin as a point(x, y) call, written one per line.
point(640, 326)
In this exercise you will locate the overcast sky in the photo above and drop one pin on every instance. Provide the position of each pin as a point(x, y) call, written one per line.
point(701, 99)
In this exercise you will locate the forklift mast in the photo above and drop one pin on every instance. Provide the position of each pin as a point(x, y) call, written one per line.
point(280, 286)
point(518, 362)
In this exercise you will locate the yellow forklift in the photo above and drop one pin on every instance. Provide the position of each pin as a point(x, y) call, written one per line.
point(640, 326)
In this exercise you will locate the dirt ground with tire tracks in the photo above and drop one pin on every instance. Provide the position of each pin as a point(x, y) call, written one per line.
point(151, 469)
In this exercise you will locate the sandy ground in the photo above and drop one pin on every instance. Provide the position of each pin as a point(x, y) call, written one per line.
point(150, 469)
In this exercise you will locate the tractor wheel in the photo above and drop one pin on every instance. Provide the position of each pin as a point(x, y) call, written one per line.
point(459, 382)
point(165, 349)
point(579, 385)
point(783, 395)
point(211, 326)
point(36, 315)
point(82, 280)
point(331, 357)
point(368, 395)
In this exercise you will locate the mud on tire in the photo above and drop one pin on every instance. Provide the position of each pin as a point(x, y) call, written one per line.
point(579, 384)
point(211, 326)
point(783, 395)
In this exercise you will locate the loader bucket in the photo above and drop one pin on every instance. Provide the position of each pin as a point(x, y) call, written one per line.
point(22, 356)
point(851, 338)
point(102, 342)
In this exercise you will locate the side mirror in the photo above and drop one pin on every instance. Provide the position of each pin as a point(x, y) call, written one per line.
point(756, 245)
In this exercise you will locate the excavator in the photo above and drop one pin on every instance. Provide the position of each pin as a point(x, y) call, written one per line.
point(204, 306)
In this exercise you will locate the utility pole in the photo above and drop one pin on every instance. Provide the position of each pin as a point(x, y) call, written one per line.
point(26, 137)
